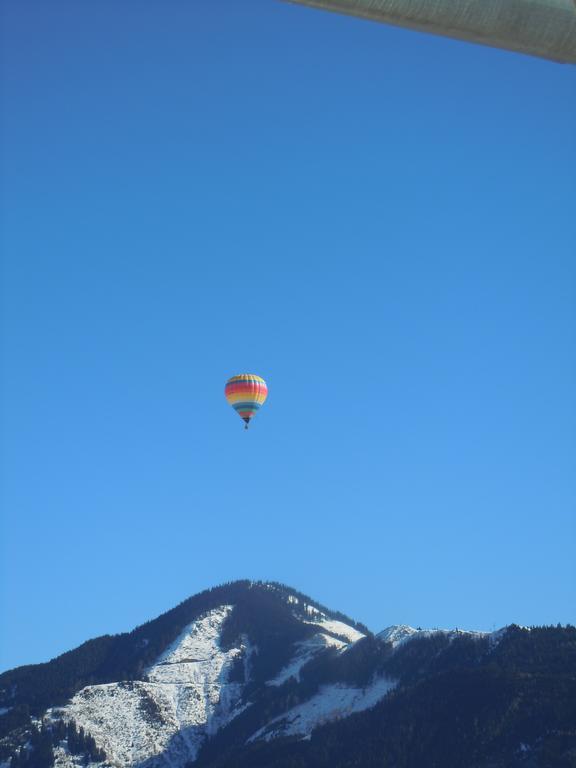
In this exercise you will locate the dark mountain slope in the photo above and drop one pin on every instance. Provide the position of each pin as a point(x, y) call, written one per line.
point(462, 704)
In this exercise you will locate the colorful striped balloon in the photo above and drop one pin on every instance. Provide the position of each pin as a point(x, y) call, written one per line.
point(246, 393)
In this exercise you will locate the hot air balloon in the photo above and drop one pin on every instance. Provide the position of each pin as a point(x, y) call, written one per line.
point(246, 393)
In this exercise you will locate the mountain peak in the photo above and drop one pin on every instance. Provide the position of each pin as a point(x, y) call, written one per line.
point(256, 673)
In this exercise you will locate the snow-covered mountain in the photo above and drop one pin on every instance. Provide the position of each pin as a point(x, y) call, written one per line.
point(196, 684)
point(245, 675)
point(190, 692)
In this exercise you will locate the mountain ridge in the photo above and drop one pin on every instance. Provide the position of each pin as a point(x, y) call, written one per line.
point(251, 673)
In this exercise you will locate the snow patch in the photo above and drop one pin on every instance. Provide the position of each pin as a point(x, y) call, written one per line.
point(332, 702)
point(293, 599)
point(307, 649)
point(338, 628)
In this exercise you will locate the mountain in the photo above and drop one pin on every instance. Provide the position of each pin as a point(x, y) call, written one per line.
point(257, 675)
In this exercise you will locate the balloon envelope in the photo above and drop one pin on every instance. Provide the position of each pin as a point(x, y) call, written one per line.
point(246, 393)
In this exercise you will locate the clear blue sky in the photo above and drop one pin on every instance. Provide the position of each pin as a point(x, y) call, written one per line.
point(378, 222)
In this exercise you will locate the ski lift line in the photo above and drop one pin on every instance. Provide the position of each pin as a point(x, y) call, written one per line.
point(543, 28)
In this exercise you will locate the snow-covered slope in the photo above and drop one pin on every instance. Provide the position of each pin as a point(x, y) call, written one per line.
point(332, 634)
point(337, 628)
point(163, 722)
point(330, 703)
